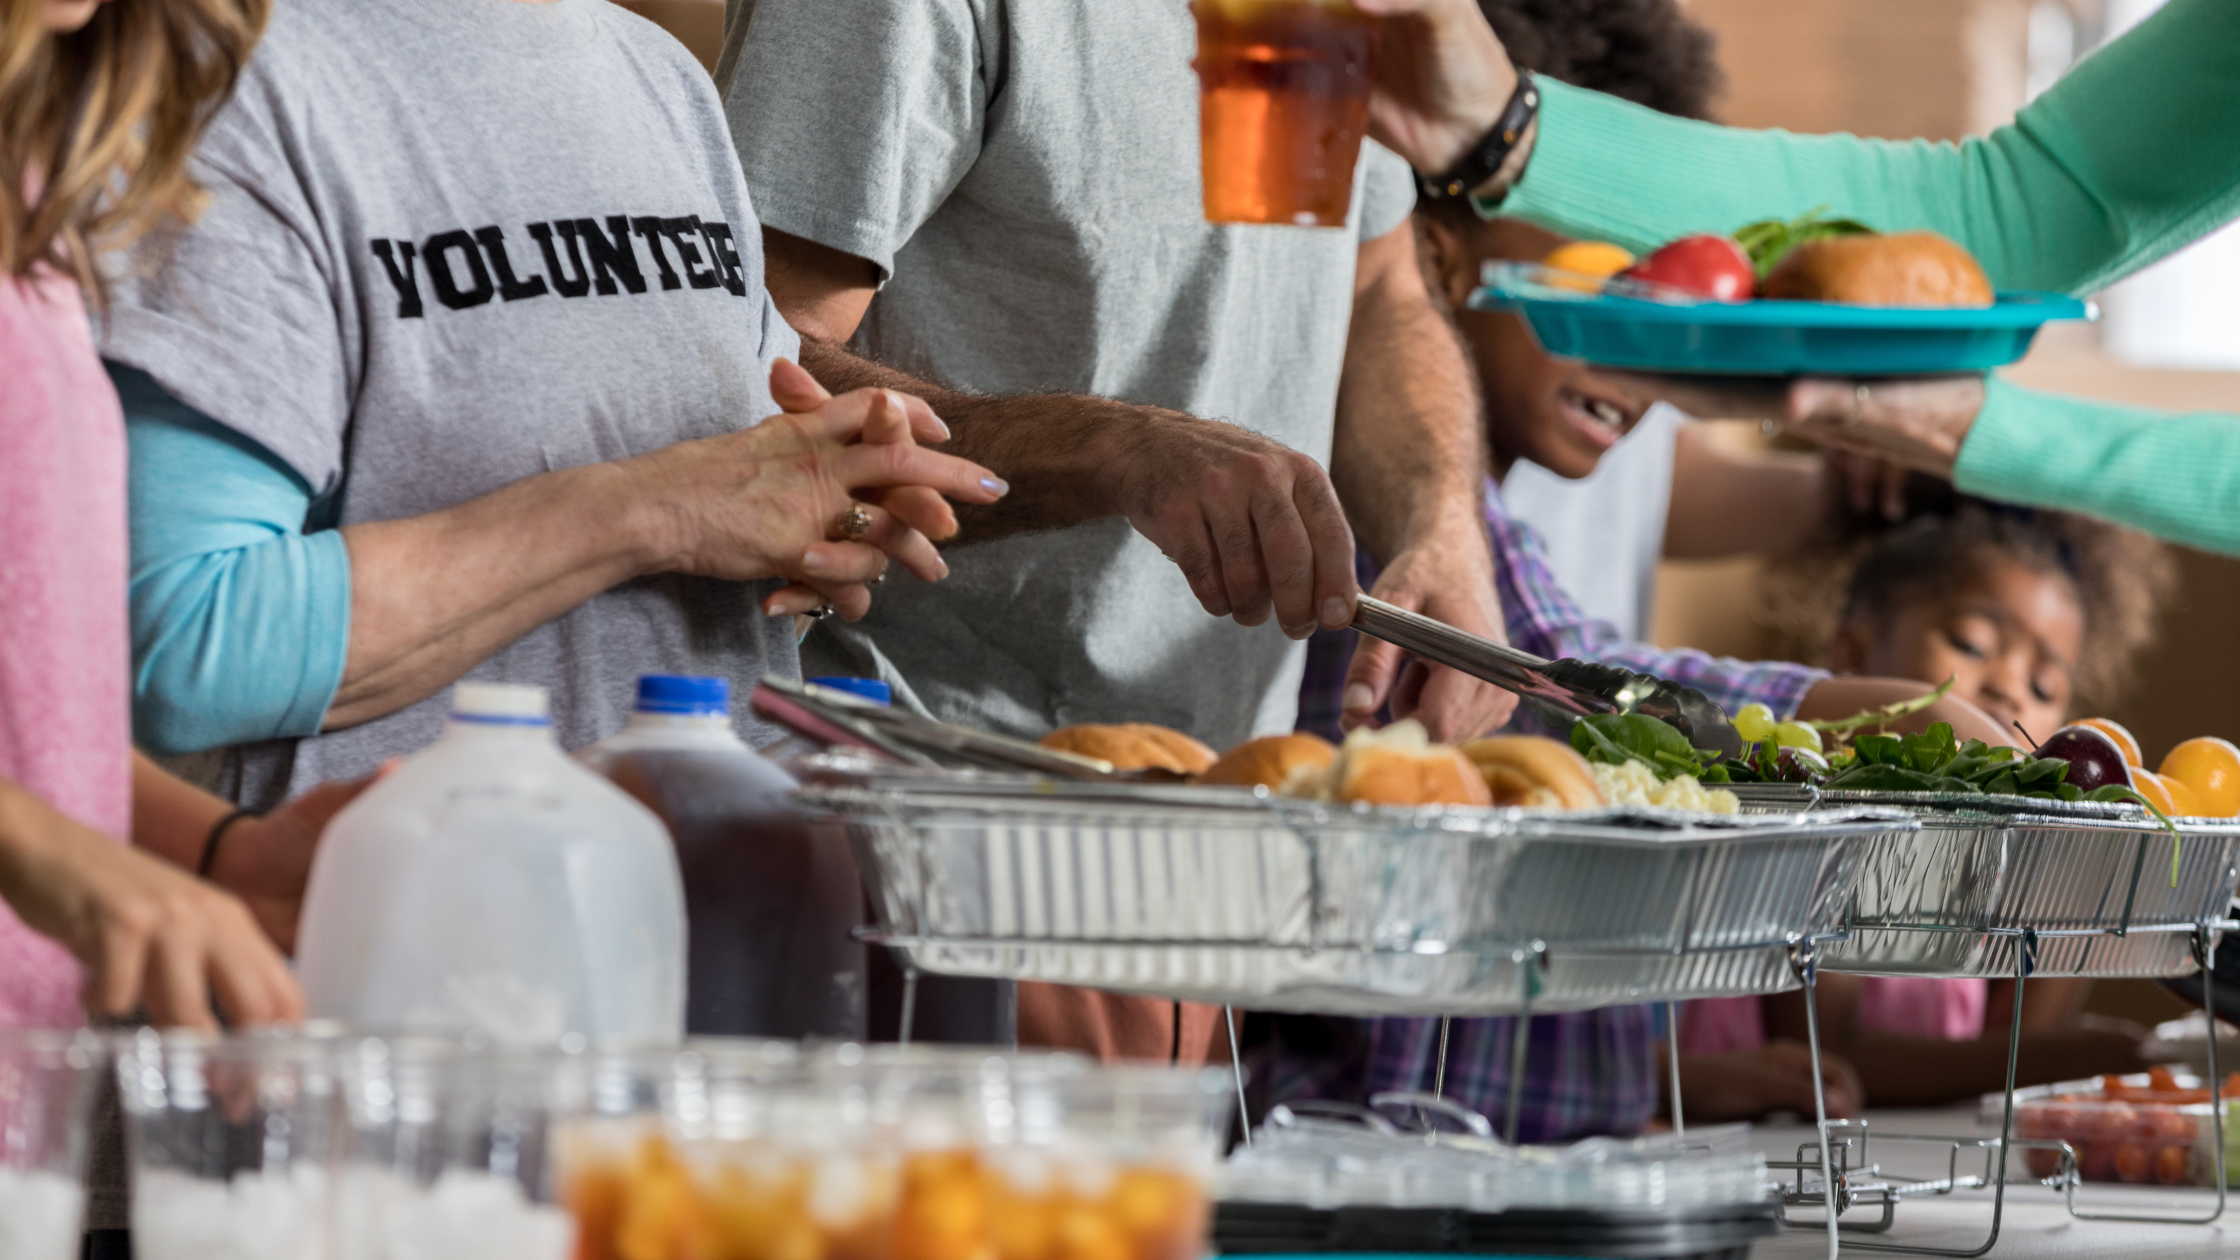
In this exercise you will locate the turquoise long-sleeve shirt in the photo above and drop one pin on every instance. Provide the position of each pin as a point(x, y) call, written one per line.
point(240, 587)
point(2131, 156)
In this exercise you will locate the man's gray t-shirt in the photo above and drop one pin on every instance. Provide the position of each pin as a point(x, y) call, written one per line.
point(1026, 173)
point(453, 244)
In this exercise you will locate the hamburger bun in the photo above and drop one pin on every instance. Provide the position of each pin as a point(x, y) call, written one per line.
point(1534, 772)
point(1903, 269)
point(1271, 760)
point(1133, 746)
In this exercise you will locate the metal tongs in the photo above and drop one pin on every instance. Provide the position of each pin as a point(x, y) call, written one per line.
point(839, 719)
point(1561, 692)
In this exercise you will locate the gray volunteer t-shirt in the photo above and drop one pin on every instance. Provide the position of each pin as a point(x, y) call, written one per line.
point(1026, 172)
point(453, 244)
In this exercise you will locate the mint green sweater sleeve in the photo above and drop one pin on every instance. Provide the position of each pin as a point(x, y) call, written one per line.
point(2174, 475)
point(2132, 155)
point(240, 603)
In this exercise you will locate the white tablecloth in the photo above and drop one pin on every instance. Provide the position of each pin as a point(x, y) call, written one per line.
point(2037, 1225)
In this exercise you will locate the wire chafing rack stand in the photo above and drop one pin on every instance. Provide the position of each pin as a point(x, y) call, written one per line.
point(1842, 1152)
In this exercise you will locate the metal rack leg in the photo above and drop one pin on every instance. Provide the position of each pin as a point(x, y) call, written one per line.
point(1672, 1061)
point(1804, 962)
point(909, 1003)
point(2025, 961)
point(1439, 1071)
point(1520, 1049)
point(2202, 956)
point(1236, 1068)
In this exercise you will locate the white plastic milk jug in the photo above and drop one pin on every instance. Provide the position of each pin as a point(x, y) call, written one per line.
point(492, 884)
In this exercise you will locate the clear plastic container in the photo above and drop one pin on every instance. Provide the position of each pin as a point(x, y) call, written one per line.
point(1326, 1159)
point(770, 904)
point(46, 1092)
point(492, 885)
point(905, 1154)
point(448, 1151)
point(2148, 1129)
point(234, 1144)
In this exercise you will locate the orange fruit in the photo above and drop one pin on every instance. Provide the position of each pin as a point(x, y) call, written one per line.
point(2210, 767)
point(1593, 260)
point(2171, 796)
point(2126, 742)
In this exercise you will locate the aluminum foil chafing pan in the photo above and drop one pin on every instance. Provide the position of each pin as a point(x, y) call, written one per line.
point(2090, 881)
point(1220, 895)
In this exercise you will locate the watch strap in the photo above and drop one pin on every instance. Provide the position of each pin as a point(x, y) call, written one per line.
point(1479, 166)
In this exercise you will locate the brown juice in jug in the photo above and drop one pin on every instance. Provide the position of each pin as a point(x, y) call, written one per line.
point(770, 904)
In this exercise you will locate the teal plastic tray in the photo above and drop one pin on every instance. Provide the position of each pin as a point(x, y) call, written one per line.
point(1614, 328)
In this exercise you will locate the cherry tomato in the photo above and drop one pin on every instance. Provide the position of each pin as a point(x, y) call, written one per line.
point(2134, 1163)
point(2173, 1165)
point(1707, 266)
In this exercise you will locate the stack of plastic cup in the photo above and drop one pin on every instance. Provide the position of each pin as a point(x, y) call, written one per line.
point(448, 1150)
point(46, 1092)
point(234, 1144)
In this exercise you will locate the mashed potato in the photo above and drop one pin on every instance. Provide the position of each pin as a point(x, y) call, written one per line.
point(1636, 784)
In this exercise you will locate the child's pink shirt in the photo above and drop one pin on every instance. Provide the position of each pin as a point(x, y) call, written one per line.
point(65, 661)
point(1940, 1010)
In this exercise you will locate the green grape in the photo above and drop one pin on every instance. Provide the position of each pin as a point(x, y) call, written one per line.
point(1754, 723)
point(1796, 735)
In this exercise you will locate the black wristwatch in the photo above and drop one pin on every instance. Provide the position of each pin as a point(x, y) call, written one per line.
point(1484, 161)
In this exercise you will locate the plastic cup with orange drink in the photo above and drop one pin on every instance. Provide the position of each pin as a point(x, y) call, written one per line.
point(1282, 106)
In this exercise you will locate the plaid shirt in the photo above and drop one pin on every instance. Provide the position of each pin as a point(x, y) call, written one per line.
point(1588, 1073)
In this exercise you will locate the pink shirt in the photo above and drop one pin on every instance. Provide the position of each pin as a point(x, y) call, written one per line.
point(65, 661)
point(1940, 1010)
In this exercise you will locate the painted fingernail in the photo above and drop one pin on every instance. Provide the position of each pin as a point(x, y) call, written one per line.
point(995, 485)
point(1334, 612)
point(813, 561)
point(1357, 698)
point(939, 427)
point(942, 565)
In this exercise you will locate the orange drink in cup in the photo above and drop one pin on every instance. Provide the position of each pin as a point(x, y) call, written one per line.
point(1283, 103)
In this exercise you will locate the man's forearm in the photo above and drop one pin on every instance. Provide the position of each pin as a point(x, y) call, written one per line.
point(1409, 459)
point(1055, 450)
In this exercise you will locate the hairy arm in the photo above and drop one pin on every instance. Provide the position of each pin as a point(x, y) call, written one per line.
point(1254, 526)
point(1409, 463)
point(1410, 458)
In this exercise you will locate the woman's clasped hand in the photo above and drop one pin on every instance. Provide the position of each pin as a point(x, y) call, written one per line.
point(774, 500)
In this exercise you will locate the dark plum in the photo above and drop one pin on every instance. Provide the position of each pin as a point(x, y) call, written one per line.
point(2094, 760)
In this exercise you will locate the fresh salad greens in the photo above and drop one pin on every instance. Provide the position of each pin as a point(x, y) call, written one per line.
point(1616, 738)
point(1770, 240)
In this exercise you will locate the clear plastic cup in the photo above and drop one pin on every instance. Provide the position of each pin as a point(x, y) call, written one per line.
point(855, 1153)
point(46, 1096)
point(234, 1143)
point(448, 1151)
point(1283, 104)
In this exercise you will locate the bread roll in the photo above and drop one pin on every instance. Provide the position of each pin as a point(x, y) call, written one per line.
point(1393, 776)
point(1534, 772)
point(1271, 760)
point(1904, 269)
point(1133, 746)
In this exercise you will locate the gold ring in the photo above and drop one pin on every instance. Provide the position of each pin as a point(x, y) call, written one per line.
point(854, 524)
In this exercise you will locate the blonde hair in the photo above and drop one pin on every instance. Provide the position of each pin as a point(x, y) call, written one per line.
point(96, 124)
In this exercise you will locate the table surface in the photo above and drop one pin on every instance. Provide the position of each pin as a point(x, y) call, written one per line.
point(2037, 1225)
